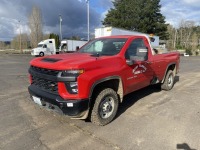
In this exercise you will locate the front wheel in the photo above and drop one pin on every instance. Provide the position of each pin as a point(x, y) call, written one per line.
point(41, 54)
point(169, 81)
point(105, 107)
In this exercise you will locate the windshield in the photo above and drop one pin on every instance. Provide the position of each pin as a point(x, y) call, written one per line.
point(105, 46)
point(40, 45)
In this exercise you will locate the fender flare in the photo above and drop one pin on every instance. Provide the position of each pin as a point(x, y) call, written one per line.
point(167, 68)
point(120, 91)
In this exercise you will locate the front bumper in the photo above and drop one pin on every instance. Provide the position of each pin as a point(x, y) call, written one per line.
point(33, 53)
point(73, 108)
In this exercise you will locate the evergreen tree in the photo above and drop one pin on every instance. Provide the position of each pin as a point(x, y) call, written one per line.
point(56, 37)
point(138, 15)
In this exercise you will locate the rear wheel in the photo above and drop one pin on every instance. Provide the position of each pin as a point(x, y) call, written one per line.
point(105, 107)
point(41, 54)
point(169, 81)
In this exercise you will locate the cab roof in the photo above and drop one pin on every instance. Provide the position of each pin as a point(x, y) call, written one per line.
point(124, 36)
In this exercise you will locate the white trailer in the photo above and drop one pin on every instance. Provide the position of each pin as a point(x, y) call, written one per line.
point(108, 31)
point(71, 45)
point(45, 47)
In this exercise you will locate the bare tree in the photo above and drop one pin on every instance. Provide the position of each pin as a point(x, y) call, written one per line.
point(186, 37)
point(172, 37)
point(194, 41)
point(186, 31)
point(2, 45)
point(35, 25)
point(15, 43)
point(24, 41)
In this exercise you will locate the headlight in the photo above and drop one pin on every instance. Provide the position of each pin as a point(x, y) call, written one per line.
point(72, 73)
point(72, 87)
point(71, 82)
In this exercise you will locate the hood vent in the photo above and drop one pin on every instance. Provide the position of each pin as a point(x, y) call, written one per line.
point(51, 60)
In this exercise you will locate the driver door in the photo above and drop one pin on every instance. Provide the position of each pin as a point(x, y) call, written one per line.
point(138, 73)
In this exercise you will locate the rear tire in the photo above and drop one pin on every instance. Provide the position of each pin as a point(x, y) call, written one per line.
point(41, 54)
point(169, 81)
point(105, 107)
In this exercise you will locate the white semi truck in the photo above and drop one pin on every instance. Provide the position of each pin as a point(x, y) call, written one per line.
point(69, 46)
point(108, 31)
point(45, 47)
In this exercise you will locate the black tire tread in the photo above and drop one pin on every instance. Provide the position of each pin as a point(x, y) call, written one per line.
point(95, 118)
point(41, 54)
point(164, 85)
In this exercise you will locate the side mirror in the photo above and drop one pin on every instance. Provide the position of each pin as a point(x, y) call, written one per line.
point(142, 54)
point(141, 50)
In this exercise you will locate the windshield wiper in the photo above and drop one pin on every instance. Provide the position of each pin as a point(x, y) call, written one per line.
point(107, 54)
point(101, 54)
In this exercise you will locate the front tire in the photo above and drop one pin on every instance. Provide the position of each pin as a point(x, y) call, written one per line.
point(169, 81)
point(105, 107)
point(41, 54)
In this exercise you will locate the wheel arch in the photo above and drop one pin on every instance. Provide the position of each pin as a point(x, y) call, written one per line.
point(114, 82)
point(99, 84)
point(171, 66)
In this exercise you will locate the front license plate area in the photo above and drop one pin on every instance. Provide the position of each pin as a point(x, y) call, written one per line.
point(37, 100)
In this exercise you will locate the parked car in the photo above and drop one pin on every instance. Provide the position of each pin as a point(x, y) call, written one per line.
point(186, 54)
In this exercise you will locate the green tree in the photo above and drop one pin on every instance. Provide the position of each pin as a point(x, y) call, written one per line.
point(56, 37)
point(139, 15)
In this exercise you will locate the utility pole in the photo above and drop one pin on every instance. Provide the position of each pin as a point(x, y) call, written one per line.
point(20, 38)
point(88, 18)
point(60, 27)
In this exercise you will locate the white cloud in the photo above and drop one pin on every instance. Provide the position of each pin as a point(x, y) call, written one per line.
point(103, 15)
point(177, 10)
point(192, 2)
point(73, 13)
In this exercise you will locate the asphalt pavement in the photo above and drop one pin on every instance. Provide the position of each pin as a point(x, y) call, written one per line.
point(148, 119)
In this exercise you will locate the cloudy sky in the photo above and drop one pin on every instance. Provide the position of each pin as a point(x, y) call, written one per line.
point(74, 15)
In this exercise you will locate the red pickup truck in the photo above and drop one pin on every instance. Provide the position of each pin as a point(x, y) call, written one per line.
point(92, 82)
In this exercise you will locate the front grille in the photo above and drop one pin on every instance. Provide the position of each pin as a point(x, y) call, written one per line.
point(45, 84)
point(45, 71)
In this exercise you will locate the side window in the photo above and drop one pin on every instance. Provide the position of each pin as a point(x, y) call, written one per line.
point(137, 50)
point(50, 41)
point(45, 46)
point(98, 46)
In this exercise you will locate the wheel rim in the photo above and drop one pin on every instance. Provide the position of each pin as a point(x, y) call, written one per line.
point(106, 107)
point(170, 80)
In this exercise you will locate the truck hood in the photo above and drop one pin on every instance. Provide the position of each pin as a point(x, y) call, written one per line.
point(70, 61)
